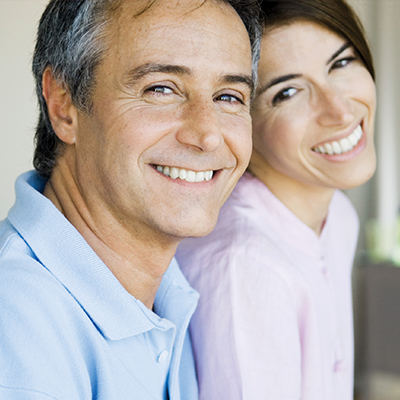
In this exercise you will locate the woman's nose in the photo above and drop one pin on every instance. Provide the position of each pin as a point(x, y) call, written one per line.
point(334, 108)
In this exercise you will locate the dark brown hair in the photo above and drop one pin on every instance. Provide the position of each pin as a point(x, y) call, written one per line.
point(336, 15)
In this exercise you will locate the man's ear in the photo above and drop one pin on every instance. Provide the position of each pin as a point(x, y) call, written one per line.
point(62, 112)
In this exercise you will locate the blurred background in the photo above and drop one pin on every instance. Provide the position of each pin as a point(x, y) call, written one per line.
point(376, 275)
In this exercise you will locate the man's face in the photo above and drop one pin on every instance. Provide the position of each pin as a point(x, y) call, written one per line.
point(172, 91)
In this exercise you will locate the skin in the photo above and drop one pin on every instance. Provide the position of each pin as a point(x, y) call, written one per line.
point(325, 93)
point(174, 90)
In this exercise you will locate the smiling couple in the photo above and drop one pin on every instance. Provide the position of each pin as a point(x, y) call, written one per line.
point(144, 130)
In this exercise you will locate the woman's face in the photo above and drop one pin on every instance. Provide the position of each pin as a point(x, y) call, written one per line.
point(314, 111)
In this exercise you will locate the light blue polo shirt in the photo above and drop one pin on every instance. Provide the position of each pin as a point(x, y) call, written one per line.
point(69, 330)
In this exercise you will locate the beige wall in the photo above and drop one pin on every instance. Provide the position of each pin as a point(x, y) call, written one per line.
point(382, 193)
point(18, 21)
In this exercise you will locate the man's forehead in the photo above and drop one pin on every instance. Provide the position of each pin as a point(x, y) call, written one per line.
point(138, 21)
point(189, 35)
point(135, 9)
point(145, 6)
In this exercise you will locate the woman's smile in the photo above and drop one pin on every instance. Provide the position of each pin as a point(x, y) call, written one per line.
point(313, 116)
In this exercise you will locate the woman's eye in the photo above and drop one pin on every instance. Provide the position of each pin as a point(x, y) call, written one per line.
point(284, 94)
point(343, 62)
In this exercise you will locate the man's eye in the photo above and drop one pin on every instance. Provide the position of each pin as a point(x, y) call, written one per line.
point(229, 98)
point(283, 95)
point(160, 89)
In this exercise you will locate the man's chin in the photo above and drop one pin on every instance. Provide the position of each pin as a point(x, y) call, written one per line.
point(197, 229)
point(203, 232)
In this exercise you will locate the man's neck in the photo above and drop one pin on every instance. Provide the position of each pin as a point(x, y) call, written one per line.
point(137, 261)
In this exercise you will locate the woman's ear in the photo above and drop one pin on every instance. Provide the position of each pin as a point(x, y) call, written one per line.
point(62, 112)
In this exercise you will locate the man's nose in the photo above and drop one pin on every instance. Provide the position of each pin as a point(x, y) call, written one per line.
point(201, 128)
point(334, 108)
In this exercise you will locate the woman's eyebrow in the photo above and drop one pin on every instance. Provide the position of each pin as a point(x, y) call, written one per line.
point(334, 55)
point(279, 79)
point(285, 78)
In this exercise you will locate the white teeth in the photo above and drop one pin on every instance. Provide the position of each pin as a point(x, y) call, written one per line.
point(353, 139)
point(182, 174)
point(200, 176)
point(187, 175)
point(343, 146)
point(174, 172)
point(191, 176)
point(358, 131)
point(336, 148)
point(329, 149)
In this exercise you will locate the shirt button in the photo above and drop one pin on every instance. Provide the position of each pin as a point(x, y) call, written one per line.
point(163, 356)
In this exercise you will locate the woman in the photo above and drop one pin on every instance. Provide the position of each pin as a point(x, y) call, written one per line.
point(275, 316)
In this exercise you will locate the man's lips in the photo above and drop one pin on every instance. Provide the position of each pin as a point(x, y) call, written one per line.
point(185, 174)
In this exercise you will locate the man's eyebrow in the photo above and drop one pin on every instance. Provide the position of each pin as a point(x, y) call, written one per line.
point(336, 53)
point(280, 79)
point(246, 79)
point(152, 68)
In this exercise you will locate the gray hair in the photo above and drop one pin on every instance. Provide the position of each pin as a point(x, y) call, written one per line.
point(71, 40)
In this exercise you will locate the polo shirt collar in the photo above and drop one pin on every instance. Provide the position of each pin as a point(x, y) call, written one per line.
point(61, 249)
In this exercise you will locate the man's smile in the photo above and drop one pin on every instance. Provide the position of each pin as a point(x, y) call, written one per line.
point(184, 174)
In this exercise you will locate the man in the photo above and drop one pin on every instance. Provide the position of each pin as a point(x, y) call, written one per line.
point(143, 132)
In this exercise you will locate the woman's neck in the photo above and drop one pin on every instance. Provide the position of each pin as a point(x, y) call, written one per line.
point(309, 203)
